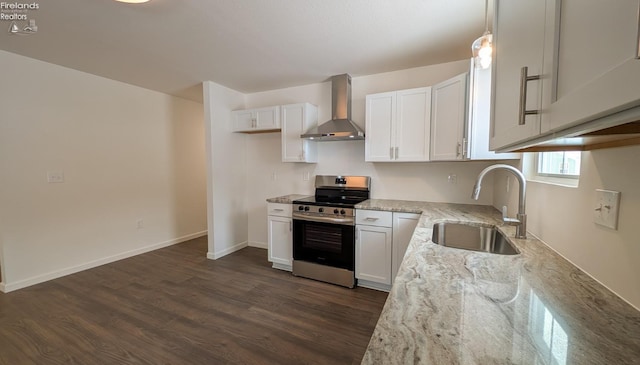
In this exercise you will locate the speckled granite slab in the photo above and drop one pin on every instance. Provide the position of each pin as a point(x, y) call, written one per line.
point(451, 306)
point(286, 199)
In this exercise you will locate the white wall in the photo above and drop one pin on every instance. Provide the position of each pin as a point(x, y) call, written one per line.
point(226, 172)
point(562, 217)
point(127, 154)
point(412, 181)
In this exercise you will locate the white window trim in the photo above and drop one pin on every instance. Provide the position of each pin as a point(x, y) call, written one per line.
point(530, 168)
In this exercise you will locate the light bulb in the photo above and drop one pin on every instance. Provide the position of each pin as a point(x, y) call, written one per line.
point(485, 62)
point(483, 51)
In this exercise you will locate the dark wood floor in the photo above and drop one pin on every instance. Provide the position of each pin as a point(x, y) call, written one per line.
point(173, 306)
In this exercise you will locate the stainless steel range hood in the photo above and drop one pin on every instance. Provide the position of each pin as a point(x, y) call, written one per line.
point(340, 127)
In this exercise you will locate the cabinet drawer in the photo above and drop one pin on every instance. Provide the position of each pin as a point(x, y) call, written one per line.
point(374, 218)
point(278, 209)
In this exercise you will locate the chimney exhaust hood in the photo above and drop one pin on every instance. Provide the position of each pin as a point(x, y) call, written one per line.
point(340, 127)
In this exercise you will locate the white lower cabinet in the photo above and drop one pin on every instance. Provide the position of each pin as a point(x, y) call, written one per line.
point(403, 226)
point(280, 235)
point(381, 241)
point(373, 256)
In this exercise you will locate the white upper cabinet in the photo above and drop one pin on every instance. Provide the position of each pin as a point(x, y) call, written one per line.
point(519, 34)
point(592, 55)
point(460, 113)
point(296, 120)
point(448, 115)
point(256, 120)
point(380, 119)
point(398, 126)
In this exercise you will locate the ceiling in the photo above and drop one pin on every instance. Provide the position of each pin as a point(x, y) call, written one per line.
point(247, 45)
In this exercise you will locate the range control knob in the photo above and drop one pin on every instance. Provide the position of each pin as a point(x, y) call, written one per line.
point(336, 211)
point(301, 208)
point(320, 210)
point(343, 212)
point(306, 209)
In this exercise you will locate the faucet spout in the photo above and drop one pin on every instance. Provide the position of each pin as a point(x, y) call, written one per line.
point(521, 221)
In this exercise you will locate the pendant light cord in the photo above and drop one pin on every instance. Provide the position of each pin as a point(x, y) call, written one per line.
point(486, 17)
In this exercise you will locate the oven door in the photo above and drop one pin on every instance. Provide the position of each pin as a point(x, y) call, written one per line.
point(324, 243)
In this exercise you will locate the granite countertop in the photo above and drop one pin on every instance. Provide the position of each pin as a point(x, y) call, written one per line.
point(286, 199)
point(452, 306)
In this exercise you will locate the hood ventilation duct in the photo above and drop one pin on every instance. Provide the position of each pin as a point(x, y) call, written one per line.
point(340, 127)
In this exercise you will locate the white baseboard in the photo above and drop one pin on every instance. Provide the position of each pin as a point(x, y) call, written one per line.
point(218, 254)
point(2, 288)
point(8, 287)
point(375, 286)
point(282, 267)
point(263, 245)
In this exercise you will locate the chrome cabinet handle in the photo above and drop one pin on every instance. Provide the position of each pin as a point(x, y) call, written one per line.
point(371, 219)
point(465, 147)
point(290, 226)
point(391, 153)
point(458, 149)
point(397, 149)
point(278, 210)
point(522, 110)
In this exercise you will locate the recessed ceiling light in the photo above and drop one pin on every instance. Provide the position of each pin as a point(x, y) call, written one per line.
point(133, 1)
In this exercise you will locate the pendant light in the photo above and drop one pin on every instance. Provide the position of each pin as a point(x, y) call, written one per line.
point(482, 47)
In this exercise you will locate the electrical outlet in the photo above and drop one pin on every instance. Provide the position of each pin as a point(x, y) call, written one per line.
point(452, 179)
point(55, 177)
point(605, 212)
point(305, 176)
point(274, 176)
point(140, 224)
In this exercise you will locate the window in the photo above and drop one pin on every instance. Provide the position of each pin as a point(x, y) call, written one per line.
point(548, 336)
point(559, 164)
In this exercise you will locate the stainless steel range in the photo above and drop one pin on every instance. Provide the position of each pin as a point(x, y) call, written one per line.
point(324, 229)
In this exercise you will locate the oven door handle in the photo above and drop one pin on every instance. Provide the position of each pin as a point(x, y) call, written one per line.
point(343, 221)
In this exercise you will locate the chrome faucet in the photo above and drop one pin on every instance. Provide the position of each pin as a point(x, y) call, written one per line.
point(521, 218)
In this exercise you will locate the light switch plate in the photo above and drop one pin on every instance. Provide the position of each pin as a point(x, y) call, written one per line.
point(606, 208)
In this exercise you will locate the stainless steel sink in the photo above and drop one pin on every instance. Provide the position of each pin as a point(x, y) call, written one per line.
point(475, 238)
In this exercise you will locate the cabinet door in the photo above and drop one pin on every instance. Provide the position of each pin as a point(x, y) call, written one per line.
point(242, 120)
point(267, 118)
point(380, 116)
point(519, 27)
point(280, 241)
point(595, 59)
point(373, 254)
point(296, 120)
point(413, 126)
point(403, 226)
point(448, 115)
